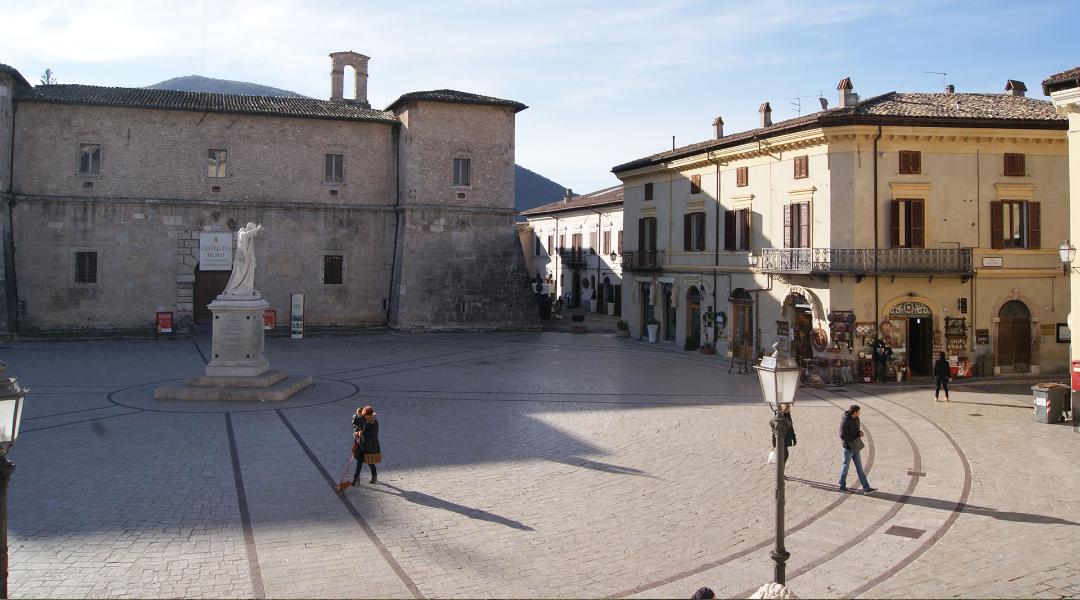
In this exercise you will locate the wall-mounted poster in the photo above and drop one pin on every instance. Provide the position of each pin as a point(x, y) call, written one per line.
point(1064, 334)
point(982, 336)
point(782, 328)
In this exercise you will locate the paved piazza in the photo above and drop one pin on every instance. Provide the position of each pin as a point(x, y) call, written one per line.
point(518, 465)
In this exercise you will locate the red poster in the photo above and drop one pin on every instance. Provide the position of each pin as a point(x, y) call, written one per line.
point(269, 319)
point(164, 322)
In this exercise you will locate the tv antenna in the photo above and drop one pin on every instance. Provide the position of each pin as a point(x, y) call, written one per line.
point(796, 102)
point(943, 75)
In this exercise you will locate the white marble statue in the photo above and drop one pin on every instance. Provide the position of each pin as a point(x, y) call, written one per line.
point(242, 280)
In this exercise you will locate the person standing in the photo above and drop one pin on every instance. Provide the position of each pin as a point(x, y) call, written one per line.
point(789, 436)
point(879, 360)
point(367, 451)
point(941, 376)
point(851, 437)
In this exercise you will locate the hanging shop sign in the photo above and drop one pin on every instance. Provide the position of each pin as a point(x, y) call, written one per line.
point(215, 251)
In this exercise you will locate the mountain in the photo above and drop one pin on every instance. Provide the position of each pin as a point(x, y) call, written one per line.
point(197, 83)
point(530, 189)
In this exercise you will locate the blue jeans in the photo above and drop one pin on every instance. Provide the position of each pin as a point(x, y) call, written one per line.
point(855, 457)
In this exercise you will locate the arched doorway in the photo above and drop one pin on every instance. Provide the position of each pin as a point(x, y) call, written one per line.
point(911, 336)
point(742, 324)
point(693, 316)
point(1014, 337)
point(208, 285)
point(667, 328)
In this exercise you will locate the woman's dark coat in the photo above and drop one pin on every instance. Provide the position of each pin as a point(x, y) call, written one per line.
point(941, 369)
point(789, 436)
point(370, 444)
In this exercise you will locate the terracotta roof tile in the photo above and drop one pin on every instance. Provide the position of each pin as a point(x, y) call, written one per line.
point(308, 108)
point(1061, 81)
point(604, 197)
point(907, 108)
point(14, 73)
point(454, 96)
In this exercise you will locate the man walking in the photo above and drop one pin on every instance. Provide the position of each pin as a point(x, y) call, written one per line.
point(879, 357)
point(851, 438)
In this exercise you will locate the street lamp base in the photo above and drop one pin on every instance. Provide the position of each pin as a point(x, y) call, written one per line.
point(780, 558)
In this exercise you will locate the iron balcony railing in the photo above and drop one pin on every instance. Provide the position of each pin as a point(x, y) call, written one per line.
point(573, 256)
point(642, 260)
point(867, 261)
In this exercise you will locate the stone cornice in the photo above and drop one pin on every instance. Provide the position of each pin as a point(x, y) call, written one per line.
point(1066, 101)
point(196, 203)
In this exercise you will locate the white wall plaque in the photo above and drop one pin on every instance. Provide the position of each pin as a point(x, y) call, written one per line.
point(993, 261)
point(215, 251)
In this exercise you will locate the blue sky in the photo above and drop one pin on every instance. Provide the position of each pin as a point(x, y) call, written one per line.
point(606, 82)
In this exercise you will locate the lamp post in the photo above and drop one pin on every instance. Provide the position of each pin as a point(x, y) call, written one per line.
point(1067, 252)
point(11, 409)
point(779, 378)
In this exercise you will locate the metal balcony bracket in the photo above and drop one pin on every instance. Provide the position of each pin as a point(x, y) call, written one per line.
point(930, 279)
point(892, 279)
point(859, 278)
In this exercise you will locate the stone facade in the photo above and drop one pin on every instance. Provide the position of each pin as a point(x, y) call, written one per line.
point(778, 286)
point(387, 211)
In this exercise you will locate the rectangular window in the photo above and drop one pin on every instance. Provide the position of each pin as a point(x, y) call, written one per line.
point(908, 224)
point(694, 232)
point(575, 241)
point(742, 176)
point(551, 244)
point(620, 241)
point(797, 225)
point(648, 191)
point(1015, 224)
point(695, 184)
point(737, 233)
point(462, 168)
point(1014, 165)
point(562, 242)
point(802, 167)
point(592, 243)
point(910, 162)
point(332, 270)
point(607, 242)
point(647, 234)
point(217, 160)
point(89, 159)
point(539, 248)
point(335, 168)
point(86, 267)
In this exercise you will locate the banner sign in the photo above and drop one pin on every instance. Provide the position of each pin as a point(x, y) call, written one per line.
point(296, 316)
point(164, 322)
point(269, 319)
point(215, 251)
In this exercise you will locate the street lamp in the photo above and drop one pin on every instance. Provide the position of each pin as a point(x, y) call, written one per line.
point(1067, 252)
point(614, 256)
point(779, 377)
point(11, 409)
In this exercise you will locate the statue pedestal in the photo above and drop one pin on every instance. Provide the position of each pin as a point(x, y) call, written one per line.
point(238, 337)
point(238, 370)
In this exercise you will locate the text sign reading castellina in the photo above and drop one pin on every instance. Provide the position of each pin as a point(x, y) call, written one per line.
point(216, 251)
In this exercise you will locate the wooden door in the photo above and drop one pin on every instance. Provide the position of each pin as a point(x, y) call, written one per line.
point(742, 331)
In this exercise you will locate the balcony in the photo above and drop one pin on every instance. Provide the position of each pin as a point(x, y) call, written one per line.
point(573, 257)
point(867, 261)
point(647, 260)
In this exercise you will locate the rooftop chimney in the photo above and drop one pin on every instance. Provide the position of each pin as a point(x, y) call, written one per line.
point(338, 62)
point(847, 96)
point(766, 114)
point(1016, 88)
point(718, 124)
point(950, 89)
point(568, 195)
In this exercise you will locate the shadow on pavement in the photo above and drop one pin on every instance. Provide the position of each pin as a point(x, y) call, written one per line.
point(603, 467)
point(434, 502)
point(950, 505)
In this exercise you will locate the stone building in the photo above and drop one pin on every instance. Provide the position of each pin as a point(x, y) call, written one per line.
point(574, 245)
point(929, 219)
point(123, 201)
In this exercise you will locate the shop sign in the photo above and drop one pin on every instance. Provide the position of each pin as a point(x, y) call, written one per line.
point(1047, 329)
point(164, 322)
point(296, 317)
point(982, 336)
point(692, 279)
point(993, 261)
point(910, 309)
point(269, 319)
point(215, 251)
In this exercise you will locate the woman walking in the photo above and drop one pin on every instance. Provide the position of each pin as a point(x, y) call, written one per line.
point(366, 450)
point(941, 376)
point(789, 435)
point(851, 439)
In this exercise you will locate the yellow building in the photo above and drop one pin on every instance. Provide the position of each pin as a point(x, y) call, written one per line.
point(932, 220)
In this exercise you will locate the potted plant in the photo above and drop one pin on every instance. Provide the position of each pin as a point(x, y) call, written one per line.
point(578, 323)
point(622, 329)
point(653, 327)
point(706, 349)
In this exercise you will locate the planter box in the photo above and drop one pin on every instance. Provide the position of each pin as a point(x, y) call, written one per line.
point(623, 333)
point(707, 350)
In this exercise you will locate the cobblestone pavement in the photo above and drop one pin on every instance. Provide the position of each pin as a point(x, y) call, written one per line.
point(519, 465)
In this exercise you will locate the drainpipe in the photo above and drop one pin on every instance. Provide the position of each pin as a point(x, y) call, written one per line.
point(876, 228)
point(716, 259)
point(397, 220)
point(598, 258)
point(12, 298)
point(558, 260)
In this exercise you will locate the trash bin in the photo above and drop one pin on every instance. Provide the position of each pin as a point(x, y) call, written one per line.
point(1049, 399)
